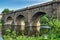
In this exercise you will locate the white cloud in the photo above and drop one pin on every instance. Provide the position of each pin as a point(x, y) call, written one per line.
point(39, 3)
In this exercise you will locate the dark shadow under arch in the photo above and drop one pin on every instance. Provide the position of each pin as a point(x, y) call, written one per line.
point(20, 18)
point(9, 20)
point(37, 15)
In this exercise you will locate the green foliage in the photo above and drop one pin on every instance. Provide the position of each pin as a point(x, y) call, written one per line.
point(55, 26)
point(6, 37)
point(44, 20)
point(1, 23)
point(14, 36)
point(54, 23)
point(6, 11)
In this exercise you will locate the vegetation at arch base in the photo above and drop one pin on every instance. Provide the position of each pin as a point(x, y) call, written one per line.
point(14, 36)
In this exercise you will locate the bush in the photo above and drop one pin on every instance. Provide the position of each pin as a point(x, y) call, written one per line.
point(14, 36)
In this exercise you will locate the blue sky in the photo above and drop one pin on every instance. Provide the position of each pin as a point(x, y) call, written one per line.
point(19, 4)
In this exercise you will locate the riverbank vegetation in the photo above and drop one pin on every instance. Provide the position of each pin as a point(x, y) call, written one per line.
point(52, 34)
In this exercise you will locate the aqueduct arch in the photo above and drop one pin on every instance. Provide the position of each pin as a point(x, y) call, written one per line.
point(20, 22)
point(9, 20)
point(35, 21)
point(52, 8)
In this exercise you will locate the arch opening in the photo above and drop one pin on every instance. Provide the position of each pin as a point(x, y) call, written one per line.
point(20, 22)
point(35, 21)
point(37, 15)
point(9, 20)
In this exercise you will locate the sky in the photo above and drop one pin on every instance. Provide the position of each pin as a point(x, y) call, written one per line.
point(19, 4)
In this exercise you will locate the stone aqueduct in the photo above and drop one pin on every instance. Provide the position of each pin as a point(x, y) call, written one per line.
point(29, 17)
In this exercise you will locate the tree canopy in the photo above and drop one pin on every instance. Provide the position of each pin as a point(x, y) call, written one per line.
point(6, 11)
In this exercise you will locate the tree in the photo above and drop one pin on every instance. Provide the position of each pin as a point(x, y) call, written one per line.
point(6, 11)
point(44, 20)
